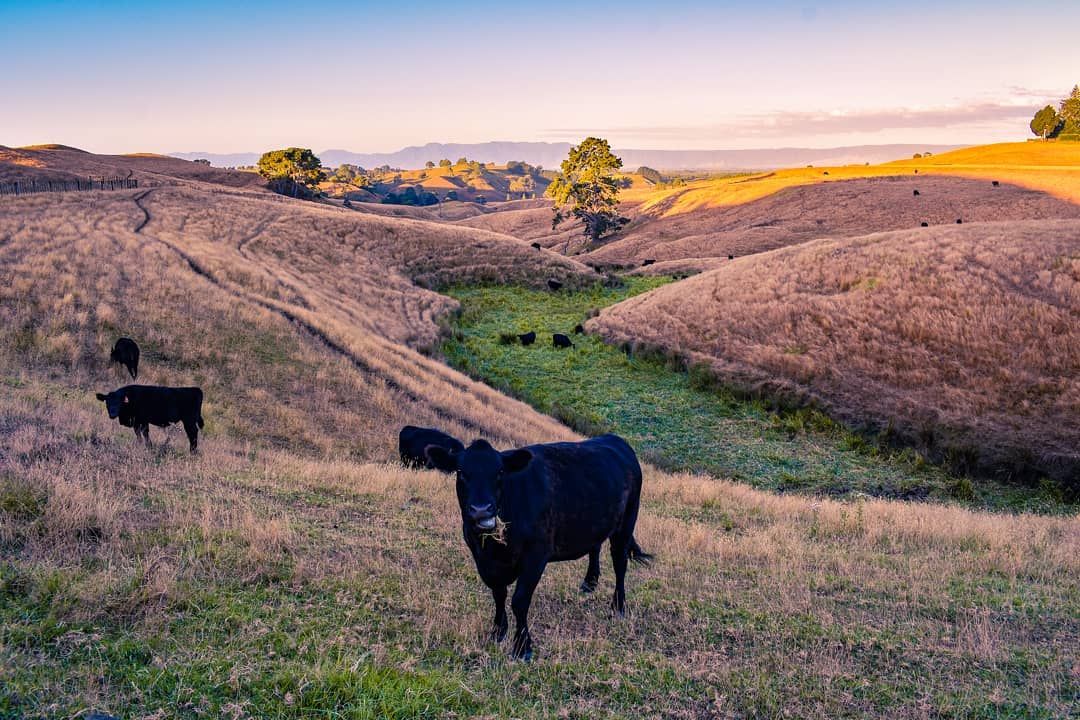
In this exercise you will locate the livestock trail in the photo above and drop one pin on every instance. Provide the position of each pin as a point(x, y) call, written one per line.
point(29, 187)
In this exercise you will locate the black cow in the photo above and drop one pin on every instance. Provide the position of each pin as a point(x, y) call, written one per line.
point(925, 224)
point(561, 341)
point(915, 193)
point(554, 284)
point(140, 406)
point(826, 172)
point(579, 329)
point(536, 246)
point(959, 221)
point(730, 257)
point(650, 261)
point(521, 509)
point(413, 441)
point(126, 352)
point(996, 183)
point(528, 338)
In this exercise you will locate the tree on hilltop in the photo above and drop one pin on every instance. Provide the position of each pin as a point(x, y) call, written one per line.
point(588, 189)
point(429, 164)
point(445, 162)
point(1045, 122)
point(292, 171)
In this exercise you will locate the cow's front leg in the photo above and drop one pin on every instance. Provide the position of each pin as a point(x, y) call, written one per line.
point(143, 431)
point(500, 625)
point(531, 572)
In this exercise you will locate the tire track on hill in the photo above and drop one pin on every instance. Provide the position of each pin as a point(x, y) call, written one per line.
point(294, 318)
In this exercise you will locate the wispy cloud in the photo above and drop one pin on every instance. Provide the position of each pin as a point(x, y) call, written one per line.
point(779, 124)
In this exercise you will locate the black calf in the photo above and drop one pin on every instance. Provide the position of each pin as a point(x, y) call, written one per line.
point(126, 352)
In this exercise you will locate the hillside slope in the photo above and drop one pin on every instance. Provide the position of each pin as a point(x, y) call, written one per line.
point(184, 269)
point(60, 162)
point(962, 340)
point(827, 209)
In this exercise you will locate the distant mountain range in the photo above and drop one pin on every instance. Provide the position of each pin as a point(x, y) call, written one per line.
point(550, 155)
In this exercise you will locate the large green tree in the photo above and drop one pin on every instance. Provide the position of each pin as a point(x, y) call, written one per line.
point(1069, 112)
point(1045, 122)
point(292, 171)
point(588, 189)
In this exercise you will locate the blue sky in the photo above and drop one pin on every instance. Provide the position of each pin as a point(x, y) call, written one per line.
point(224, 76)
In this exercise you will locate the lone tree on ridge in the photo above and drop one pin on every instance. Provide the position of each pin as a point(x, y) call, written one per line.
point(588, 189)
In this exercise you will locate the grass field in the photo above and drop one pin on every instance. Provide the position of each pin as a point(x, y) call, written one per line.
point(260, 584)
point(683, 420)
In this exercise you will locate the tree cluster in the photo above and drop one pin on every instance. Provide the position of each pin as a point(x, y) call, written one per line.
point(1062, 121)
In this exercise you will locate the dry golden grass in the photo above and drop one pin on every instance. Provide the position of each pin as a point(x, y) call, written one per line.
point(961, 338)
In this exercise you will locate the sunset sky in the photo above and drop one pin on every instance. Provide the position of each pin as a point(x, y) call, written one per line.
point(232, 77)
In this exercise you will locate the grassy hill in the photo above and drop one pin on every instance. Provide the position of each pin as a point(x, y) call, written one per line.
point(959, 340)
point(292, 569)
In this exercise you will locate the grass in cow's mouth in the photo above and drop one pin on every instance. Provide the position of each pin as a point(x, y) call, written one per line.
point(498, 534)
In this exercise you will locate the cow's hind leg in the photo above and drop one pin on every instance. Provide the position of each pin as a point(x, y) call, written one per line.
point(500, 624)
point(592, 575)
point(143, 431)
point(619, 555)
point(523, 592)
point(192, 431)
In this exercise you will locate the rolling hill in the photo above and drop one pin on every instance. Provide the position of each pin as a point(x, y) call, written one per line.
point(960, 340)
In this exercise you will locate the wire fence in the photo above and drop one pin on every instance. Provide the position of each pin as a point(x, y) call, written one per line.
point(28, 187)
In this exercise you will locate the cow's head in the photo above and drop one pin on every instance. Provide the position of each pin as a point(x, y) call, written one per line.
point(480, 470)
point(115, 401)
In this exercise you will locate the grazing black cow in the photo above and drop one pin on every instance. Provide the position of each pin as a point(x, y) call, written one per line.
point(536, 246)
point(916, 171)
point(126, 352)
point(826, 172)
point(528, 338)
point(554, 284)
point(413, 441)
point(730, 257)
point(579, 329)
point(996, 183)
point(650, 261)
point(925, 224)
point(140, 406)
point(561, 341)
point(959, 221)
point(915, 193)
point(521, 509)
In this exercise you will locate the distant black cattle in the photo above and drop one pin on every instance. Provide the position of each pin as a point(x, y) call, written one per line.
point(995, 183)
point(650, 261)
point(579, 329)
point(915, 193)
point(826, 172)
point(561, 341)
point(522, 509)
point(554, 284)
point(959, 221)
point(730, 257)
point(536, 246)
point(413, 441)
point(925, 224)
point(528, 338)
point(140, 406)
point(126, 352)
point(916, 171)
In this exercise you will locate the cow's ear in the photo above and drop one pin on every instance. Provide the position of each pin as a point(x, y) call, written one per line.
point(102, 397)
point(516, 460)
point(126, 399)
point(441, 458)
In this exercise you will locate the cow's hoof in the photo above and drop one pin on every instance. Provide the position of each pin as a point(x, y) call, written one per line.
point(587, 585)
point(498, 634)
point(525, 656)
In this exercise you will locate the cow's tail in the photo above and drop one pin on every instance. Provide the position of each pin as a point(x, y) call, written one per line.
point(202, 423)
point(635, 553)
